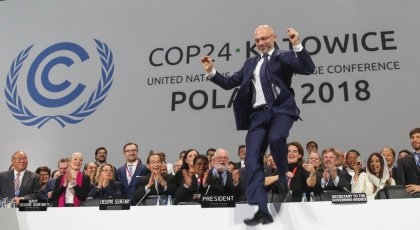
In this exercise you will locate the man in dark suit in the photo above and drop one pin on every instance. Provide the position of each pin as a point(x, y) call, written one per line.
point(409, 166)
point(129, 174)
point(156, 183)
point(389, 155)
point(220, 179)
point(329, 177)
point(20, 183)
point(265, 106)
point(241, 155)
point(192, 186)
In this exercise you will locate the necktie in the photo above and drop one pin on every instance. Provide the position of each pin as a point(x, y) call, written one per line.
point(17, 184)
point(199, 180)
point(130, 169)
point(130, 172)
point(221, 178)
point(266, 83)
point(417, 158)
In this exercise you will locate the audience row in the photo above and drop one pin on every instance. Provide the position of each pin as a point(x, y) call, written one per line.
point(195, 175)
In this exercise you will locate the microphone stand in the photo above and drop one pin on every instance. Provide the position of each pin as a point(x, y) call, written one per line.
point(144, 196)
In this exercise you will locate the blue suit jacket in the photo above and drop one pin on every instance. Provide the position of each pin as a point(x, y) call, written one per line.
point(128, 189)
point(282, 66)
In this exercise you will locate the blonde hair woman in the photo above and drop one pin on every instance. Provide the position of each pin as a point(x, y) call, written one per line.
point(105, 186)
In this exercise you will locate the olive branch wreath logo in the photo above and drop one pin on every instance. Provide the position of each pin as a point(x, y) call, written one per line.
point(26, 117)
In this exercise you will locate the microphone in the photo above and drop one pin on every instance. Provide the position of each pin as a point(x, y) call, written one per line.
point(144, 196)
point(157, 186)
point(345, 189)
point(208, 188)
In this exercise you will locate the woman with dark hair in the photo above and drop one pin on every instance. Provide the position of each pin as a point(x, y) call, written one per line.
point(354, 164)
point(296, 174)
point(187, 164)
point(44, 175)
point(374, 178)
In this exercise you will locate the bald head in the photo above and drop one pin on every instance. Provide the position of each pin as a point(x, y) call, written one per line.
point(264, 38)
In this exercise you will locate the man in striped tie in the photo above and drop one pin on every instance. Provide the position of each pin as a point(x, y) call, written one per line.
point(20, 183)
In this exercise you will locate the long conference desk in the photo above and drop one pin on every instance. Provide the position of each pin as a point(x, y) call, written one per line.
point(376, 214)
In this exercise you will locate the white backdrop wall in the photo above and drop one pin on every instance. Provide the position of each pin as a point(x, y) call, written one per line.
point(152, 91)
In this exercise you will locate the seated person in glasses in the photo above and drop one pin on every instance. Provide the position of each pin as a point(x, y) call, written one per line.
point(105, 186)
point(329, 177)
point(157, 183)
point(192, 186)
point(222, 181)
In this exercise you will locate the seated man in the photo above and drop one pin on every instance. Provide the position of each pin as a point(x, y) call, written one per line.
point(156, 183)
point(20, 183)
point(220, 180)
point(192, 187)
point(329, 177)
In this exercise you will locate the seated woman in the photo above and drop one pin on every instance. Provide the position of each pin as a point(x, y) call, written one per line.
point(72, 188)
point(374, 178)
point(106, 186)
point(44, 176)
point(187, 164)
point(296, 174)
point(157, 183)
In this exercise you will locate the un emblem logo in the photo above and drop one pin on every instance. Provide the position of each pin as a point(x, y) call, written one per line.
point(52, 93)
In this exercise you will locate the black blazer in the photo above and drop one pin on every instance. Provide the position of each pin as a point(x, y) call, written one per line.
point(183, 194)
point(29, 189)
point(408, 173)
point(112, 190)
point(216, 187)
point(140, 191)
point(342, 185)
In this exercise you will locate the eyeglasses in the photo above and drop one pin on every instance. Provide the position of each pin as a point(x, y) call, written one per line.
point(263, 39)
point(221, 158)
point(131, 150)
point(20, 158)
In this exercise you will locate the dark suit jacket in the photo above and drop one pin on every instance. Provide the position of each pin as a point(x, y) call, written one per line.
point(282, 65)
point(216, 187)
point(343, 181)
point(183, 194)
point(47, 188)
point(408, 172)
point(113, 190)
point(238, 165)
point(128, 189)
point(29, 188)
point(140, 191)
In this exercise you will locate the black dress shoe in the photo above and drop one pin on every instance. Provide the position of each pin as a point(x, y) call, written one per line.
point(259, 217)
point(284, 191)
